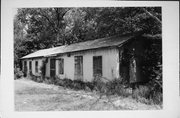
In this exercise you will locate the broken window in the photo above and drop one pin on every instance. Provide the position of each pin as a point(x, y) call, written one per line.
point(36, 66)
point(61, 66)
point(78, 60)
point(97, 66)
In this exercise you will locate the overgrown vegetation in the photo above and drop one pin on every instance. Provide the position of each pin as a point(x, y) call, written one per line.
point(40, 28)
point(144, 93)
point(18, 73)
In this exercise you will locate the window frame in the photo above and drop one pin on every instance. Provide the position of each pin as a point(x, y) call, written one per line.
point(96, 66)
point(30, 66)
point(61, 67)
point(78, 67)
point(36, 66)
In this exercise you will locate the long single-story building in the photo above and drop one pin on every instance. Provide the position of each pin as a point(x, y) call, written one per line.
point(105, 57)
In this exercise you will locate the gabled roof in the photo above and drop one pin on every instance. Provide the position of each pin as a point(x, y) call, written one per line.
point(91, 44)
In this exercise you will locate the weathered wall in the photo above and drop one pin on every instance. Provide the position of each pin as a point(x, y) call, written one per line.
point(68, 67)
point(110, 63)
point(33, 65)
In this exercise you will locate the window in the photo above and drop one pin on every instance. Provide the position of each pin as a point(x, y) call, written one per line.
point(78, 60)
point(25, 66)
point(52, 67)
point(97, 66)
point(36, 66)
point(61, 66)
point(30, 66)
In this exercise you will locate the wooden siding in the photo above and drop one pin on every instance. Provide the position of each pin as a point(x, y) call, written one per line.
point(110, 64)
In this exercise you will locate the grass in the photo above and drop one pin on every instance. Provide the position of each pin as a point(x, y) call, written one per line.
point(33, 96)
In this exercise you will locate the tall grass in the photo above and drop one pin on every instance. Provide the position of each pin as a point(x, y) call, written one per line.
point(144, 93)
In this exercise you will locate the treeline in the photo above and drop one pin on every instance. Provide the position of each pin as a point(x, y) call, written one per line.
point(40, 28)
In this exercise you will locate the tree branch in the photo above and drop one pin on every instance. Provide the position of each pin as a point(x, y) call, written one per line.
point(151, 15)
point(49, 21)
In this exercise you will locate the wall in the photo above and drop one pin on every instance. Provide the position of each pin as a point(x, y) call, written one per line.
point(110, 63)
point(33, 65)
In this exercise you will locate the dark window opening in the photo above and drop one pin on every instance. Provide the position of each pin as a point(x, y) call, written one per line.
point(36, 66)
point(25, 66)
point(97, 66)
point(61, 66)
point(52, 67)
point(30, 66)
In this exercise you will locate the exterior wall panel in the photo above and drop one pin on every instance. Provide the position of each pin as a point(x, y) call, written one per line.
point(110, 64)
point(33, 65)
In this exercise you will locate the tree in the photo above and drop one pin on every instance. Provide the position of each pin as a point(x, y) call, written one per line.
point(49, 27)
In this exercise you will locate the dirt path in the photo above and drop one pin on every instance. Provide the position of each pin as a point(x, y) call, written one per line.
point(32, 96)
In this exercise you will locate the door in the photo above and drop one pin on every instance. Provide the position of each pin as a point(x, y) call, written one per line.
point(78, 74)
point(52, 67)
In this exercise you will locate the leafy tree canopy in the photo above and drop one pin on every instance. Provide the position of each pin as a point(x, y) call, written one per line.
point(40, 28)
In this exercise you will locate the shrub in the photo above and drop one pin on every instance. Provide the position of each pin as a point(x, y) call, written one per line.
point(59, 82)
point(147, 94)
point(39, 79)
point(48, 80)
point(89, 86)
point(107, 87)
point(99, 84)
point(141, 92)
point(67, 83)
point(18, 74)
point(117, 87)
point(156, 94)
point(157, 98)
point(78, 84)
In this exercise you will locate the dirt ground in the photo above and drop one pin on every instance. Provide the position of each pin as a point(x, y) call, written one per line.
point(33, 96)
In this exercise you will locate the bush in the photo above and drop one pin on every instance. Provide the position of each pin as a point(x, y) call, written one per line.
point(67, 83)
point(59, 82)
point(39, 79)
point(74, 84)
point(148, 95)
point(141, 91)
point(117, 87)
point(48, 80)
point(107, 87)
point(78, 85)
point(18, 74)
point(89, 86)
point(32, 77)
point(157, 98)
point(156, 94)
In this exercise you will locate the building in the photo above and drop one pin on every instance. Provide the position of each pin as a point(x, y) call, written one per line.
point(106, 57)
